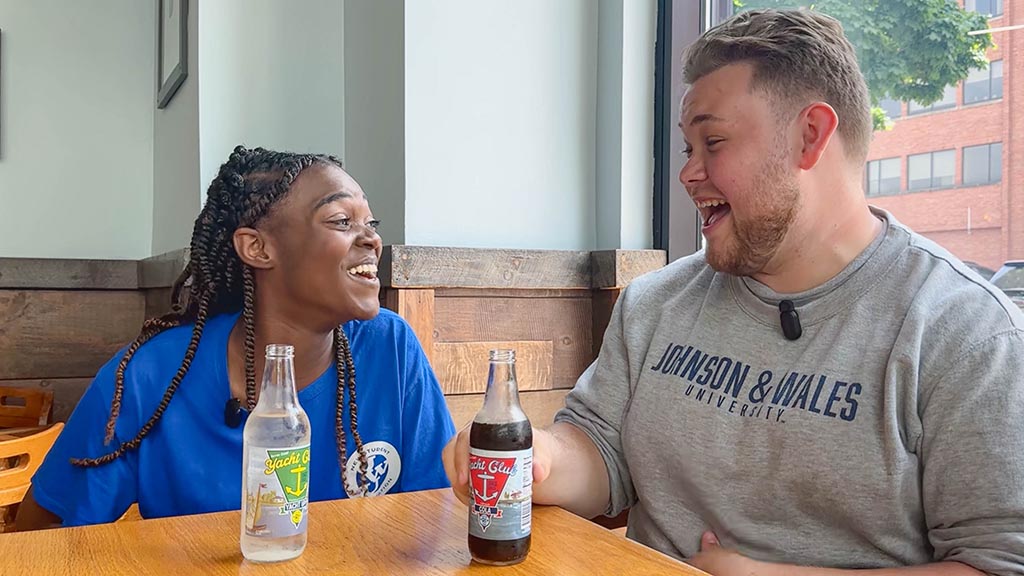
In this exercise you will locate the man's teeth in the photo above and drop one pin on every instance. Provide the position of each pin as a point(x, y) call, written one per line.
point(710, 203)
point(364, 269)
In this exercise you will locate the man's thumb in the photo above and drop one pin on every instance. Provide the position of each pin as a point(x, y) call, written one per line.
point(708, 540)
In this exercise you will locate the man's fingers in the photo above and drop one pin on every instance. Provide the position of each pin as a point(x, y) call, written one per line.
point(455, 457)
point(462, 456)
point(708, 540)
point(541, 455)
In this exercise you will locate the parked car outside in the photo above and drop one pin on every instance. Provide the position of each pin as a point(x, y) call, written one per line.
point(983, 271)
point(1010, 279)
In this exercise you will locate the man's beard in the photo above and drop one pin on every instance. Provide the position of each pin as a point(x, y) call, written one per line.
point(756, 238)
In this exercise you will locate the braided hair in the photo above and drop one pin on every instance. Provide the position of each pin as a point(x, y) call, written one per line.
point(216, 281)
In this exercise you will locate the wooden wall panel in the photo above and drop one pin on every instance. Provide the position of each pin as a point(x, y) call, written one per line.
point(566, 322)
point(617, 268)
point(540, 406)
point(436, 267)
point(64, 334)
point(55, 273)
point(604, 302)
point(158, 302)
point(416, 306)
point(462, 367)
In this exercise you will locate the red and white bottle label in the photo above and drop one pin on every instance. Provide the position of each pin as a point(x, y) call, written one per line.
point(501, 484)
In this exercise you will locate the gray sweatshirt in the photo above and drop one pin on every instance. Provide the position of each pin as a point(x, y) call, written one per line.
point(891, 433)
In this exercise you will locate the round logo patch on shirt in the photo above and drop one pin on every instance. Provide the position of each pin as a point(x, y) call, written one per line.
point(383, 467)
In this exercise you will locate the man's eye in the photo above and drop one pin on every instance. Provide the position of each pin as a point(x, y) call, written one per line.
point(710, 142)
point(688, 151)
point(373, 224)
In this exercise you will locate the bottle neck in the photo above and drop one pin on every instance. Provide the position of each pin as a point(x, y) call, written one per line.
point(502, 394)
point(278, 389)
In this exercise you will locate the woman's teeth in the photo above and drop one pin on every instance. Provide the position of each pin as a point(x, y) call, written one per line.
point(364, 270)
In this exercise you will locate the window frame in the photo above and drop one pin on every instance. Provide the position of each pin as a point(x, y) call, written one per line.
point(991, 85)
point(935, 107)
point(677, 225)
point(988, 161)
point(931, 170)
point(999, 5)
point(879, 162)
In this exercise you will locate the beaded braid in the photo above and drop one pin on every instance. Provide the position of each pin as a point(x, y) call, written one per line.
point(132, 444)
point(343, 357)
point(248, 313)
point(215, 281)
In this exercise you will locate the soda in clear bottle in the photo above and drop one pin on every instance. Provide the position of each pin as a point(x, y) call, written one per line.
point(275, 466)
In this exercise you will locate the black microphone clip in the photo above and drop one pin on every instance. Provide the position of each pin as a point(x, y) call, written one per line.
point(234, 413)
point(790, 320)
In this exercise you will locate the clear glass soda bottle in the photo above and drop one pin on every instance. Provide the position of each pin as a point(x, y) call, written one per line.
point(500, 469)
point(275, 466)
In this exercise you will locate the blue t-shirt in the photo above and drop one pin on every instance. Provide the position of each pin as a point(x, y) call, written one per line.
point(191, 461)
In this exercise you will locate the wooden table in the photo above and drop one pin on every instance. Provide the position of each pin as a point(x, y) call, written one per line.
point(415, 533)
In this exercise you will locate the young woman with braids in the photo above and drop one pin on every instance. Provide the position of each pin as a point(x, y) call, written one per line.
point(284, 251)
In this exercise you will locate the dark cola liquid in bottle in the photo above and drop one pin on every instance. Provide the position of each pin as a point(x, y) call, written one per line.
point(500, 470)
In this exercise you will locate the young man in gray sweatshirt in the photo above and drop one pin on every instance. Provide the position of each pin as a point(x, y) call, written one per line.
point(884, 436)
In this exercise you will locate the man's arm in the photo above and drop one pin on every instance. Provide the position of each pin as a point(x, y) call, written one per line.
point(937, 569)
point(568, 471)
point(578, 462)
point(719, 561)
point(572, 473)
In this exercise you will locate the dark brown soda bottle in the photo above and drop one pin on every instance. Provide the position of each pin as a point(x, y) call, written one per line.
point(500, 470)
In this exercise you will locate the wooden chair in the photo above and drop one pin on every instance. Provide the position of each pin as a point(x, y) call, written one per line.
point(21, 407)
point(19, 460)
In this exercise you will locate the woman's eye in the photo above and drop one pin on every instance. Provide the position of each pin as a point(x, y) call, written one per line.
point(343, 223)
point(373, 225)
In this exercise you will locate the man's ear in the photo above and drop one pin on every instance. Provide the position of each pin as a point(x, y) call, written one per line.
point(253, 248)
point(818, 123)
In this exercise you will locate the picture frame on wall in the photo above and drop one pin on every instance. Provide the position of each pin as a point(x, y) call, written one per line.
point(1, 92)
point(171, 48)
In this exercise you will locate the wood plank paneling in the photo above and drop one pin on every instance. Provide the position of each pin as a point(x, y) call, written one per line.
point(50, 273)
point(64, 334)
point(417, 308)
point(604, 302)
point(540, 406)
point(512, 292)
point(434, 267)
point(158, 302)
point(566, 322)
point(161, 271)
point(617, 268)
point(66, 392)
point(462, 367)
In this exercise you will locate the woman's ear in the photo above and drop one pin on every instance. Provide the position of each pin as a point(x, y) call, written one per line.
point(253, 248)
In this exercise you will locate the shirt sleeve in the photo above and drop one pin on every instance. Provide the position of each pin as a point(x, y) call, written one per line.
point(972, 455)
point(426, 423)
point(78, 495)
point(597, 405)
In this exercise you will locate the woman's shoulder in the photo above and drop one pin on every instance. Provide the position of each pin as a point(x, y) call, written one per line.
point(386, 336)
point(163, 353)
